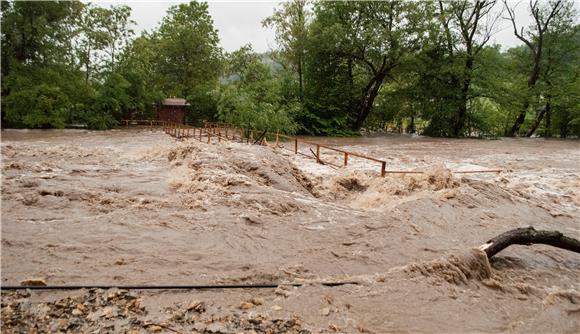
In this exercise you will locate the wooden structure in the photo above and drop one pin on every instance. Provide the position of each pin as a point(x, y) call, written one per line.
point(224, 131)
point(172, 110)
point(229, 132)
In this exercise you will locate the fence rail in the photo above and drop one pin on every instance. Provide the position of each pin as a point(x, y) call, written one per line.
point(224, 131)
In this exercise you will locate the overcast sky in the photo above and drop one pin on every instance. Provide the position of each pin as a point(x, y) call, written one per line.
point(240, 22)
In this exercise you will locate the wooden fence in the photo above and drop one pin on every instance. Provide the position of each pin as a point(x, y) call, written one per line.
point(227, 132)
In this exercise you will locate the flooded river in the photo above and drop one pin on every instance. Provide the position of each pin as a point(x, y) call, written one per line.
point(139, 207)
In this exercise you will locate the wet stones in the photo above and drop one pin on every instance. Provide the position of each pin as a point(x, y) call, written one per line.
point(89, 309)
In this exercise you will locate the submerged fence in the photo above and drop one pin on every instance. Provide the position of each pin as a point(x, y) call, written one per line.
point(223, 131)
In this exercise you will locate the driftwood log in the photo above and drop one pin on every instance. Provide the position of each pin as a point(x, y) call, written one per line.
point(528, 236)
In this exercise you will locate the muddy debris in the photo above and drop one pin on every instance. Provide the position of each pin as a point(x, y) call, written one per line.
point(121, 311)
point(87, 309)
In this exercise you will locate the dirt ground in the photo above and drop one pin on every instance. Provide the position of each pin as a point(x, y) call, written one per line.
point(139, 207)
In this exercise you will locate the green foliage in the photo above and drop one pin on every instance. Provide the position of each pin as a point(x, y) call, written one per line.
point(244, 109)
point(79, 62)
point(50, 76)
point(186, 57)
point(353, 49)
point(113, 96)
point(253, 100)
point(100, 121)
point(340, 66)
point(40, 106)
point(291, 22)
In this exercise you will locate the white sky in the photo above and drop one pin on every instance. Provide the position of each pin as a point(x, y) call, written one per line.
point(240, 22)
point(237, 22)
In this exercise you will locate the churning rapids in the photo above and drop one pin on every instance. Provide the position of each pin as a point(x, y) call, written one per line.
point(139, 207)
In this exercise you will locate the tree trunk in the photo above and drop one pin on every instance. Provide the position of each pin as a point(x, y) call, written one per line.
point(301, 88)
point(370, 93)
point(87, 65)
point(113, 57)
point(548, 118)
point(539, 118)
point(564, 119)
point(528, 236)
point(462, 103)
point(412, 125)
point(534, 76)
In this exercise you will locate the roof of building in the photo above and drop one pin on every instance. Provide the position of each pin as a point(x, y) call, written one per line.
point(175, 102)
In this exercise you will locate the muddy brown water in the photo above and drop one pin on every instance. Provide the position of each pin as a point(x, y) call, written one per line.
point(138, 207)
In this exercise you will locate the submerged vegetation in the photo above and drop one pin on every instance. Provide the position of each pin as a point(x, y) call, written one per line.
point(339, 67)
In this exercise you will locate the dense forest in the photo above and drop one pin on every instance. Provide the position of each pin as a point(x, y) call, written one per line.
point(338, 68)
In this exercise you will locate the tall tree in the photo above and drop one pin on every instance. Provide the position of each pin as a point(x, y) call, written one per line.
point(474, 23)
point(119, 32)
point(558, 90)
point(291, 23)
point(136, 65)
point(533, 38)
point(559, 68)
point(252, 98)
point(188, 55)
point(38, 76)
point(92, 39)
point(374, 37)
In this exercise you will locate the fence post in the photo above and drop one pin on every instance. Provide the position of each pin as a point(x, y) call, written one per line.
point(383, 167)
point(219, 135)
point(295, 145)
point(317, 153)
point(345, 159)
point(209, 137)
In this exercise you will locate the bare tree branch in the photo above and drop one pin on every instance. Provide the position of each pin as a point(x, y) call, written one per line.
point(519, 35)
point(528, 236)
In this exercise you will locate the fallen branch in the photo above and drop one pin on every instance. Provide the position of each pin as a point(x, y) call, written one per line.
point(259, 140)
point(528, 236)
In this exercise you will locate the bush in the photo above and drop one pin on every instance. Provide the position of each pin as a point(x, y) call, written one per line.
point(40, 106)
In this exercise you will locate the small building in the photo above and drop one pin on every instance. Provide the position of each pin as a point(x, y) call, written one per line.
point(172, 110)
